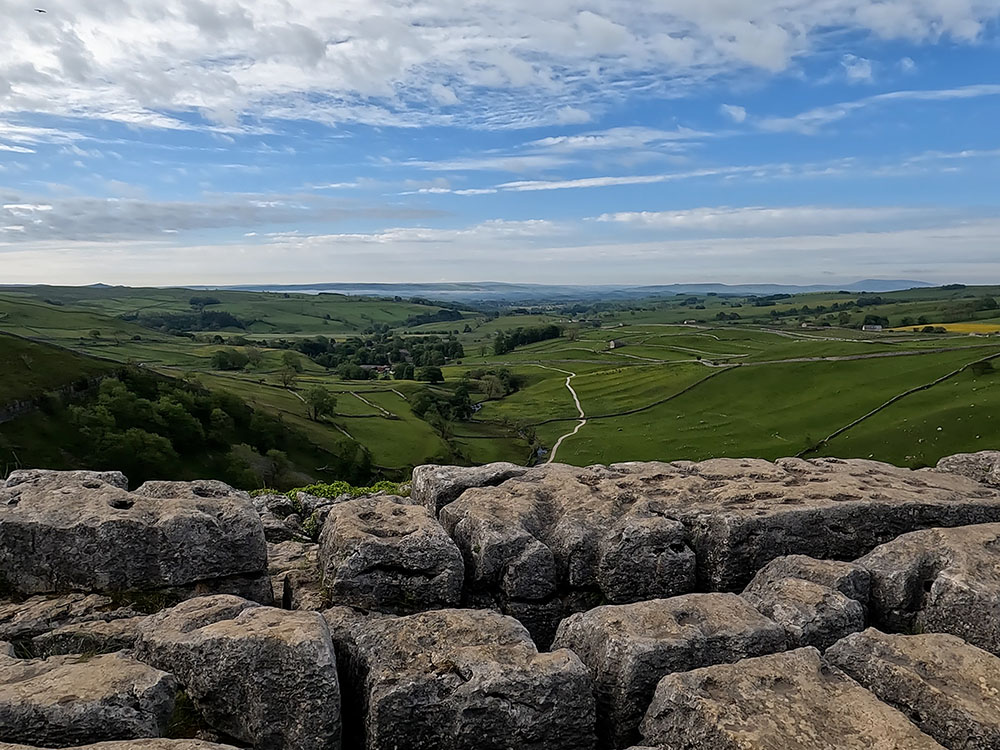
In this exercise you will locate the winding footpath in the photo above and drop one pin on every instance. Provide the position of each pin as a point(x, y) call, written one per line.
point(579, 408)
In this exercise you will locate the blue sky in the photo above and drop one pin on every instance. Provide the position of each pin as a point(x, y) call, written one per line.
point(188, 142)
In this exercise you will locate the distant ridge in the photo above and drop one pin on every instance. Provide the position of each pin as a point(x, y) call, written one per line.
point(495, 291)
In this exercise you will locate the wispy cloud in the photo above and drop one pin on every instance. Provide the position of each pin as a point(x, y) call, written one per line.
point(169, 64)
point(811, 121)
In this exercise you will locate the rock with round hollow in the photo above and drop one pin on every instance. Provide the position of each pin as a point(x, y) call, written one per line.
point(628, 648)
point(939, 581)
point(949, 689)
point(71, 700)
point(384, 554)
point(463, 680)
point(261, 675)
point(782, 701)
point(65, 532)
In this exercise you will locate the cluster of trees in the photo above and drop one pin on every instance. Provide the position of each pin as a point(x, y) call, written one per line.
point(495, 383)
point(176, 323)
point(200, 303)
point(155, 428)
point(440, 410)
point(429, 374)
point(355, 358)
point(440, 316)
point(507, 341)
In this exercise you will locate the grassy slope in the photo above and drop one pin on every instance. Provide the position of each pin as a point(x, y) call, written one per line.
point(30, 369)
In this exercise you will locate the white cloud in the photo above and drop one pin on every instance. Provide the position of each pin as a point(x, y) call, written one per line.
point(812, 120)
point(734, 112)
point(907, 65)
point(756, 221)
point(150, 63)
point(76, 218)
point(624, 138)
point(857, 69)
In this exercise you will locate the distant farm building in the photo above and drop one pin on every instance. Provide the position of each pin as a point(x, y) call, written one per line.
point(616, 344)
point(871, 328)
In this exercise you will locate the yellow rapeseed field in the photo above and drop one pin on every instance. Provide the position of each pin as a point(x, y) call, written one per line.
point(959, 327)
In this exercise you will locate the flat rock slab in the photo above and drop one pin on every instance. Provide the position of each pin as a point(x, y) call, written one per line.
point(435, 486)
point(63, 532)
point(735, 514)
point(384, 554)
point(949, 689)
point(24, 620)
point(811, 614)
point(783, 701)
point(628, 648)
point(149, 744)
point(70, 700)
point(260, 675)
point(849, 578)
point(94, 637)
point(464, 680)
point(983, 466)
point(939, 581)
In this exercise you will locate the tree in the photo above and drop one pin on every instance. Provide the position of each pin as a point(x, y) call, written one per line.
point(430, 375)
point(287, 377)
point(292, 361)
point(492, 387)
point(403, 371)
point(320, 402)
point(254, 356)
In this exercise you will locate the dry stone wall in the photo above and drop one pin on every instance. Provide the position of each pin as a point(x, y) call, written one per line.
point(722, 604)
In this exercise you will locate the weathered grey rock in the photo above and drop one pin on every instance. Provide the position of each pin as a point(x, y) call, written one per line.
point(552, 537)
point(811, 614)
point(29, 476)
point(278, 505)
point(949, 689)
point(144, 744)
point(436, 486)
point(61, 533)
point(24, 620)
point(939, 581)
point(68, 700)
point(850, 579)
point(983, 466)
point(277, 530)
point(295, 576)
point(385, 554)
point(783, 701)
point(309, 503)
point(259, 674)
point(94, 637)
point(462, 680)
point(738, 515)
point(628, 648)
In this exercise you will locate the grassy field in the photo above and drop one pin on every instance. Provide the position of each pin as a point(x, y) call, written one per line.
point(30, 369)
point(762, 385)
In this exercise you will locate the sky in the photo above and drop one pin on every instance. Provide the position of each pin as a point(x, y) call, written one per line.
point(157, 142)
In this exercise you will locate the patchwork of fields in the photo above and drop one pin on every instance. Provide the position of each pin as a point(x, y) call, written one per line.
point(760, 386)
